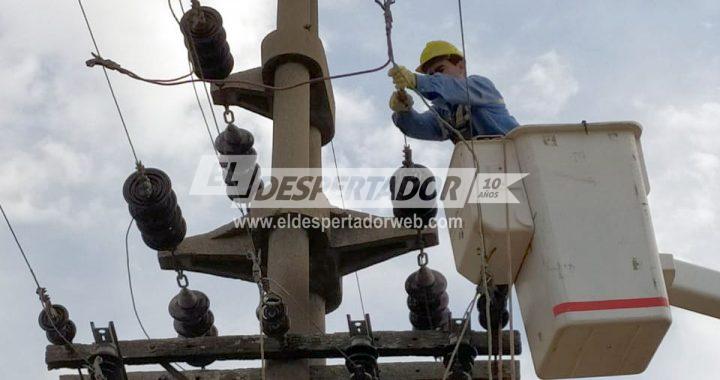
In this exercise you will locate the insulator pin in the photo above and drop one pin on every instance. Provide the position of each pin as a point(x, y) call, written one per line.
point(361, 354)
point(206, 42)
point(153, 205)
point(499, 315)
point(427, 299)
point(273, 316)
point(56, 323)
point(109, 363)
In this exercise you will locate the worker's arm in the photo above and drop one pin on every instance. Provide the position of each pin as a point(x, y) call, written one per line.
point(424, 126)
point(482, 91)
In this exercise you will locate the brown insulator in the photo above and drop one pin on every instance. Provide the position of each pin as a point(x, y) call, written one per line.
point(206, 42)
point(427, 299)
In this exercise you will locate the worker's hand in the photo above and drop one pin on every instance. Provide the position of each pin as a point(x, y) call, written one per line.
point(402, 77)
point(400, 101)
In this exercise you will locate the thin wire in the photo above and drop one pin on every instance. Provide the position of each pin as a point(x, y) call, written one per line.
point(17, 242)
point(107, 78)
point(342, 200)
point(466, 316)
point(197, 57)
point(130, 284)
point(66, 342)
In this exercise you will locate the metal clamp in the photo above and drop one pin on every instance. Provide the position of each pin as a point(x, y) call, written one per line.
point(362, 355)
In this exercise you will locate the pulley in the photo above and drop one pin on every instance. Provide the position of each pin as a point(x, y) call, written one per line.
point(272, 313)
point(361, 354)
point(55, 321)
point(413, 193)
point(190, 310)
point(206, 42)
point(499, 315)
point(427, 299)
point(153, 205)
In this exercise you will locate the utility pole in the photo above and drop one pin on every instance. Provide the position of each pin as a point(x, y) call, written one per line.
point(308, 263)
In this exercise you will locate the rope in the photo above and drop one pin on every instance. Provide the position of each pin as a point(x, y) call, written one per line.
point(107, 78)
point(111, 65)
point(342, 200)
point(466, 316)
point(510, 275)
point(256, 258)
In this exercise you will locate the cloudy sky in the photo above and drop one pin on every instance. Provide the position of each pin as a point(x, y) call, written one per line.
point(63, 157)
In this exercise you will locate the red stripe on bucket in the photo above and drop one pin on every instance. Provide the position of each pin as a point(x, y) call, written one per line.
point(629, 303)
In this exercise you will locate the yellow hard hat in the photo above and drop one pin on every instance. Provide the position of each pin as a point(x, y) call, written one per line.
point(435, 49)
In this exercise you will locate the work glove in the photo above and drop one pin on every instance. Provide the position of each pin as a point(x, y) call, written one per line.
point(400, 101)
point(402, 77)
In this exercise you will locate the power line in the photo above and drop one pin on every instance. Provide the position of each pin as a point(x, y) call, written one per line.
point(107, 78)
point(130, 284)
point(342, 200)
point(22, 251)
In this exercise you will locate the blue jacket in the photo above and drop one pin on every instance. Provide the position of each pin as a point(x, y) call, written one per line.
point(489, 114)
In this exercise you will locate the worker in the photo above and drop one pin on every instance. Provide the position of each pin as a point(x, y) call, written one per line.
point(442, 80)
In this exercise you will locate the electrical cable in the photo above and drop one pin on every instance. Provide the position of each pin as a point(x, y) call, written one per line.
point(342, 200)
point(107, 78)
point(130, 284)
point(44, 300)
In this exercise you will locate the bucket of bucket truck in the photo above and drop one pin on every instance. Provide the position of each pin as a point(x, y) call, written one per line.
point(486, 222)
point(591, 289)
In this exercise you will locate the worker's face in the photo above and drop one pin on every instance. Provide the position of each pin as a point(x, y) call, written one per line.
point(445, 66)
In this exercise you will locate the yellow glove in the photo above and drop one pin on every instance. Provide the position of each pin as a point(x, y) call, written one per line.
point(400, 101)
point(402, 77)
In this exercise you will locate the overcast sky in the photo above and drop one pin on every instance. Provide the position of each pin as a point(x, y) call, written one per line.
point(63, 156)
